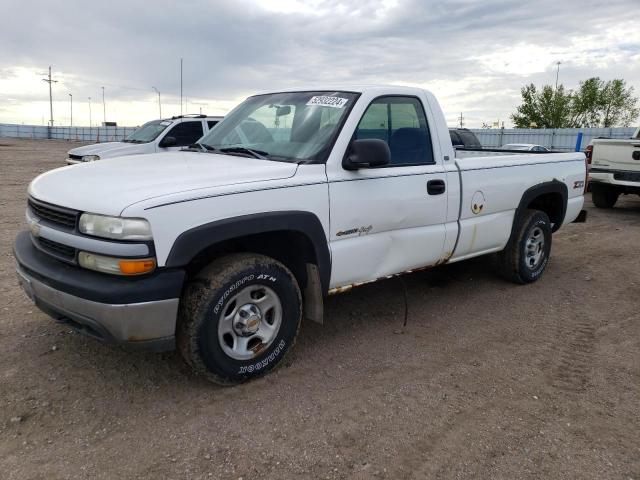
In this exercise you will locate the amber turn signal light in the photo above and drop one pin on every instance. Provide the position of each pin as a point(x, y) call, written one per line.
point(137, 267)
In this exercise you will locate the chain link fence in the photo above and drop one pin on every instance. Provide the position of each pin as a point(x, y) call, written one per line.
point(81, 134)
point(555, 139)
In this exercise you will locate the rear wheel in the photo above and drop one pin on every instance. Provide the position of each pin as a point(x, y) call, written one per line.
point(239, 317)
point(527, 253)
point(603, 197)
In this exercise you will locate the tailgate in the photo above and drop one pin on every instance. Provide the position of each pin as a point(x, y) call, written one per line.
point(617, 155)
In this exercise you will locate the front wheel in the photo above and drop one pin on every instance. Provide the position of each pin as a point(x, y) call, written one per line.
point(527, 253)
point(239, 317)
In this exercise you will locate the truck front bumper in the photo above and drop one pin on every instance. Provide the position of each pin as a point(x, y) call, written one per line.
point(140, 312)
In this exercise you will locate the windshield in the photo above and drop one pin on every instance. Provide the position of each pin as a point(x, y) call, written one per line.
point(295, 127)
point(148, 132)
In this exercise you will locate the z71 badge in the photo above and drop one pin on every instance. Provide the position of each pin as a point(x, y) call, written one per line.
point(578, 184)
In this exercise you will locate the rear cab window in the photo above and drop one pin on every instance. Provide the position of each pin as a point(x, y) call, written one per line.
point(469, 139)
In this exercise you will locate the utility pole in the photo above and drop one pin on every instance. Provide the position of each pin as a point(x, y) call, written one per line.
point(461, 120)
point(71, 100)
point(89, 115)
point(180, 85)
point(49, 80)
point(104, 109)
point(159, 104)
point(557, 74)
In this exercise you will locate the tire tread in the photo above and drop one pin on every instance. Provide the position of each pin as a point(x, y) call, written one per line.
point(210, 279)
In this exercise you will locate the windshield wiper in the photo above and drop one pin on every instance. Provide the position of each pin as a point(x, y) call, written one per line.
point(262, 155)
point(202, 147)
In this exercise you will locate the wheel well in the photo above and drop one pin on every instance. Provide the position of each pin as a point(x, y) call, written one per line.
point(552, 204)
point(293, 249)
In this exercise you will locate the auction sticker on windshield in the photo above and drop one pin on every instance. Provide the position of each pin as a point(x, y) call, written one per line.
point(325, 101)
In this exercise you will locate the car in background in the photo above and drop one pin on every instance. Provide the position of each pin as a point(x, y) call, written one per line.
point(153, 137)
point(525, 147)
point(464, 138)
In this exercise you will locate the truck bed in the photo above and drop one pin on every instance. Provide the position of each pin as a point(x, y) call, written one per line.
point(492, 184)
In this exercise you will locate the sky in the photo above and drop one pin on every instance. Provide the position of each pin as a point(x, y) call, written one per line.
point(473, 55)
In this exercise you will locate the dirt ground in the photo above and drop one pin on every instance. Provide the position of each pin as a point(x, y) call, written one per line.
point(488, 379)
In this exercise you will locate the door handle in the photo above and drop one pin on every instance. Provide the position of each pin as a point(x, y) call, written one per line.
point(436, 187)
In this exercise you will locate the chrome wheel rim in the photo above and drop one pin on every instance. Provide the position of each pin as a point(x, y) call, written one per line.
point(534, 248)
point(250, 322)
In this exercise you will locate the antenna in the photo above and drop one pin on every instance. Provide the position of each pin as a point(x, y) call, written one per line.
point(461, 120)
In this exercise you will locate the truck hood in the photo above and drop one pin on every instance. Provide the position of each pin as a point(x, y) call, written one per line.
point(111, 149)
point(109, 187)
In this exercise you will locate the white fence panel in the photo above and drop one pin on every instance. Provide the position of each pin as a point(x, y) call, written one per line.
point(556, 139)
point(81, 134)
point(553, 138)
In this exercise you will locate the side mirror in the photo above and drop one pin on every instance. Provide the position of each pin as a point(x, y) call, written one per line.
point(367, 153)
point(168, 142)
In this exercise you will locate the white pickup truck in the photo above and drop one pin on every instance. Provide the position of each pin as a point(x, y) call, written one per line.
point(295, 195)
point(165, 135)
point(615, 169)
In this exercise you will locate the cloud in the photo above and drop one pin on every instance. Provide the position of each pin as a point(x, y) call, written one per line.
point(474, 55)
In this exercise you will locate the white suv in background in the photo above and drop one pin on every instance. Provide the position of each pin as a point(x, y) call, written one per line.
point(153, 137)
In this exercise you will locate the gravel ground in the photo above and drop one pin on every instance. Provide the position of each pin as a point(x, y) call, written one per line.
point(488, 379)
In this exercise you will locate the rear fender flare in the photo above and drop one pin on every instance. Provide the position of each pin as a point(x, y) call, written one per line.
point(554, 186)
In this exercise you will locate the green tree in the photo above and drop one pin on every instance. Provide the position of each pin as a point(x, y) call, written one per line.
point(595, 103)
point(547, 108)
point(618, 105)
point(585, 104)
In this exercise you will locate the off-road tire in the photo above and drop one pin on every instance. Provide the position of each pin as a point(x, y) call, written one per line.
point(603, 197)
point(512, 261)
point(203, 304)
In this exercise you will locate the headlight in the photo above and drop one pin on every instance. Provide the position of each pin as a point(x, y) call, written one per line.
point(117, 266)
point(90, 158)
point(115, 227)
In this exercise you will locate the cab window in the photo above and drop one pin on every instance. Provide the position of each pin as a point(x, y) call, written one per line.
point(402, 124)
point(186, 133)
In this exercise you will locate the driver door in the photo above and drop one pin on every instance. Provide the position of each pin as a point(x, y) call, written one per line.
point(389, 219)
